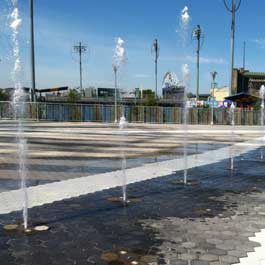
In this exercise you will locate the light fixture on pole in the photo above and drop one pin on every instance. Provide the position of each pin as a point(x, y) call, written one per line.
point(155, 52)
point(233, 9)
point(213, 85)
point(198, 35)
point(32, 52)
point(80, 49)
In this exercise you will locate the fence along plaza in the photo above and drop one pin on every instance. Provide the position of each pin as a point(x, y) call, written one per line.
point(134, 114)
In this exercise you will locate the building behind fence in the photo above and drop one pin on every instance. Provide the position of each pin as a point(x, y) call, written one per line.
point(135, 114)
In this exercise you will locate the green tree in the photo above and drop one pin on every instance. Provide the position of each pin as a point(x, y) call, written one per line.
point(74, 96)
point(150, 99)
point(190, 95)
point(4, 96)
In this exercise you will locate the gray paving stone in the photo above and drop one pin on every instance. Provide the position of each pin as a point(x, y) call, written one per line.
point(215, 241)
point(229, 259)
point(237, 253)
point(209, 257)
point(226, 247)
point(218, 252)
point(199, 262)
point(188, 245)
point(219, 263)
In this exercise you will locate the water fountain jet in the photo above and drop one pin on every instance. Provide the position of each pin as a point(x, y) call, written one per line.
point(262, 96)
point(124, 199)
point(119, 58)
point(19, 99)
point(231, 149)
point(19, 108)
point(186, 74)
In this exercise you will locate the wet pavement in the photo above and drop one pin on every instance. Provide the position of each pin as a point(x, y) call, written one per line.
point(61, 151)
point(204, 224)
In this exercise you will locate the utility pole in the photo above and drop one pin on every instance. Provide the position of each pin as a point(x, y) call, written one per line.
point(80, 49)
point(244, 65)
point(155, 51)
point(197, 34)
point(244, 55)
point(233, 9)
point(32, 53)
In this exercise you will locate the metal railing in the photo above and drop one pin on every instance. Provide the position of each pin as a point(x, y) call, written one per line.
point(137, 114)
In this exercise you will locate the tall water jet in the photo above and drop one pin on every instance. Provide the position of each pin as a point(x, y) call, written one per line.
point(184, 29)
point(184, 25)
point(123, 125)
point(262, 97)
point(186, 77)
point(119, 58)
point(19, 107)
point(122, 137)
point(232, 118)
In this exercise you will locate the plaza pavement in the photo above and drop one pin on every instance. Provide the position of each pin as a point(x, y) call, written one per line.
point(60, 151)
point(73, 145)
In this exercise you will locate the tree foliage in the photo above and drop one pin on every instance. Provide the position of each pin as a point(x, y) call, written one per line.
point(74, 96)
point(4, 96)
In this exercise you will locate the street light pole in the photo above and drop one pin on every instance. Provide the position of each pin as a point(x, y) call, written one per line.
point(198, 62)
point(80, 67)
point(233, 9)
point(32, 52)
point(155, 51)
point(80, 49)
point(197, 34)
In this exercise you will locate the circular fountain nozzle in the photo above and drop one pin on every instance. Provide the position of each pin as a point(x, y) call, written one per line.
point(128, 201)
point(41, 228)
point(109, 256)
point(10, 227)
point(187, 183)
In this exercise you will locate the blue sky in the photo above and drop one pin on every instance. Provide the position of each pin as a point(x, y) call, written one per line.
point(59, 24)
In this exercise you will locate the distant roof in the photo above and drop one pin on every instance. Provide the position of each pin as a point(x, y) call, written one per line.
point(243, 97)
point(254, 74)
point(10, 89)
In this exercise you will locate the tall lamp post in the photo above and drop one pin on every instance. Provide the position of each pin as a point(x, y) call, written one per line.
point(80, 49)
point(32, 52)
point(155, 51)
point(232, 9)
point(213, 85)
point(197, 34)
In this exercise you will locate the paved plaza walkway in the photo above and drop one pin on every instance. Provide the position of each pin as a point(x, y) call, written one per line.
point(60, 151)
point(219, 222)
